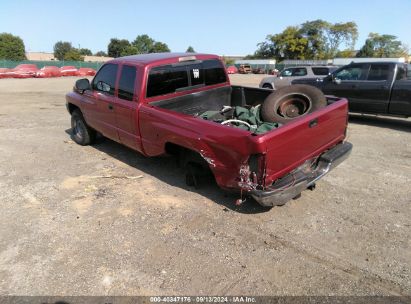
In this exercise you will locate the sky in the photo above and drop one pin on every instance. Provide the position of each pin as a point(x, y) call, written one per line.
point(223, 27)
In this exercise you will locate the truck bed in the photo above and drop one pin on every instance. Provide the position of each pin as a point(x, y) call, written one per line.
point(214, 99)
point(284, 148)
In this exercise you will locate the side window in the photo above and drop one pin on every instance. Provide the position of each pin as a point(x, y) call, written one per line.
point(300, 72)
point(287, 73)
point(401, 73)
point(166, 79)
point(127, 82)
point(378, 72)
point(214, 72)
point(105, 79)
point(351, 73)
point(319, 71)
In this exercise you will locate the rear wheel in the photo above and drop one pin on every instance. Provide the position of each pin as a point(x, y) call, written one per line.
point(291, 102)
point(267, 86)
point(81, 133)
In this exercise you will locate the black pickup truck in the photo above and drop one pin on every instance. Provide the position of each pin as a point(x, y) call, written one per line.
point(370, 87)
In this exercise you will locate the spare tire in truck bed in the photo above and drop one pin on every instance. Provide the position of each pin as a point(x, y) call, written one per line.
point(291, 102)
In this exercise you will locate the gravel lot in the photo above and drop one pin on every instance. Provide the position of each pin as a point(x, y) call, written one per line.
point(68, 230)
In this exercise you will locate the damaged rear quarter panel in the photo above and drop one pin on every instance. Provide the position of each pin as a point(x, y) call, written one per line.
point(224, 148)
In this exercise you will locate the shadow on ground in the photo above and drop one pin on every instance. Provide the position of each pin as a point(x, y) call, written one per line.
point(166, 170)
point(399, 124)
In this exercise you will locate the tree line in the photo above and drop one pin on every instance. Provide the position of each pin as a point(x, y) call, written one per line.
point(12, 48)
point(319, 39)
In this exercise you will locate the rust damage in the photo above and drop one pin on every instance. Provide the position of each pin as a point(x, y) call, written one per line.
point(247, 179)
point(209, 160)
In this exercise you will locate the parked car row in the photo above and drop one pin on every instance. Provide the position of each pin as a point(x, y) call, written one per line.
point(32, 71)
point(245, 69)
point(370, 87)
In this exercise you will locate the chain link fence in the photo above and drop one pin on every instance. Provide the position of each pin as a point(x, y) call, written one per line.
point(78, 64)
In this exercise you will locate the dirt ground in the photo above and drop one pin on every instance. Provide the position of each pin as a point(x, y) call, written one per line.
point(67, 229)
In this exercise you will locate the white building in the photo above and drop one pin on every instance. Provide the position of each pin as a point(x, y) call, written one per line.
point(345, 61)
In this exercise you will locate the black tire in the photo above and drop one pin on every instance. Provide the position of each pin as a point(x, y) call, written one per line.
point(291, 102)
point(81, 133)
point(267, 86)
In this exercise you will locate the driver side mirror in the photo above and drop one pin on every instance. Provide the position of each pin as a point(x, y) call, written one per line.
point(334, 79)
point(82, 85)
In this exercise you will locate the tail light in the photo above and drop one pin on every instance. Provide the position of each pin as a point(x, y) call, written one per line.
point(256, 164)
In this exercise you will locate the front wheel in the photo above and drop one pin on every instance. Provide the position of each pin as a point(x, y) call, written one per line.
point(81, 133)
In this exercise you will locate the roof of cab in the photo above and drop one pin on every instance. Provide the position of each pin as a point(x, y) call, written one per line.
point(154, 57)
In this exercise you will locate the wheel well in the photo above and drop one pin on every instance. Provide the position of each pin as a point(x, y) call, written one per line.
point(185, 155)
point(173, 149)
point(267, 85)
point(72, 107)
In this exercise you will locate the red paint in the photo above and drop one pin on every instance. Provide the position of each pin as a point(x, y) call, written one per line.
point(232, 70)
point(24, 71)
point(86, 72)
point(5, 73)
point(48, 71)
point(69, 71)
point(148, 129)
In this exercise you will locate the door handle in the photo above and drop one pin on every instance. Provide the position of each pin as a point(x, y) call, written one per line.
point(110, 107)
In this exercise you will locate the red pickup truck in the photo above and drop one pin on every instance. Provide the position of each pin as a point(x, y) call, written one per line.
point(155, 104)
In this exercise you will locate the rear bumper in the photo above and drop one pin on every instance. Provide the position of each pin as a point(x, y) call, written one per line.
point(301, 178)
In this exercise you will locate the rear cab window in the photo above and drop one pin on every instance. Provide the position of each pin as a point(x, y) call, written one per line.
point(172, 78)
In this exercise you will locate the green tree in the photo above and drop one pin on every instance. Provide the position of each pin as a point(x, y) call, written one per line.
point(341, 34)
point(85, 52)
point(190, 49)
point(289, 44)
point(129, 50)
point(316, 39)
point(101, 53)
point(61, 48)
point(116, 47)
point(383, 46)
point(316, 34)
point(73, 55)
point(367, 50)
point(348, 53)
point(265, 50)
point(144, 44)
point(11, 47)
point(228, 61)
point(160, 47)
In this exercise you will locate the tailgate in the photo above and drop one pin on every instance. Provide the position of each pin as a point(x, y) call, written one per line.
point(306, 137)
